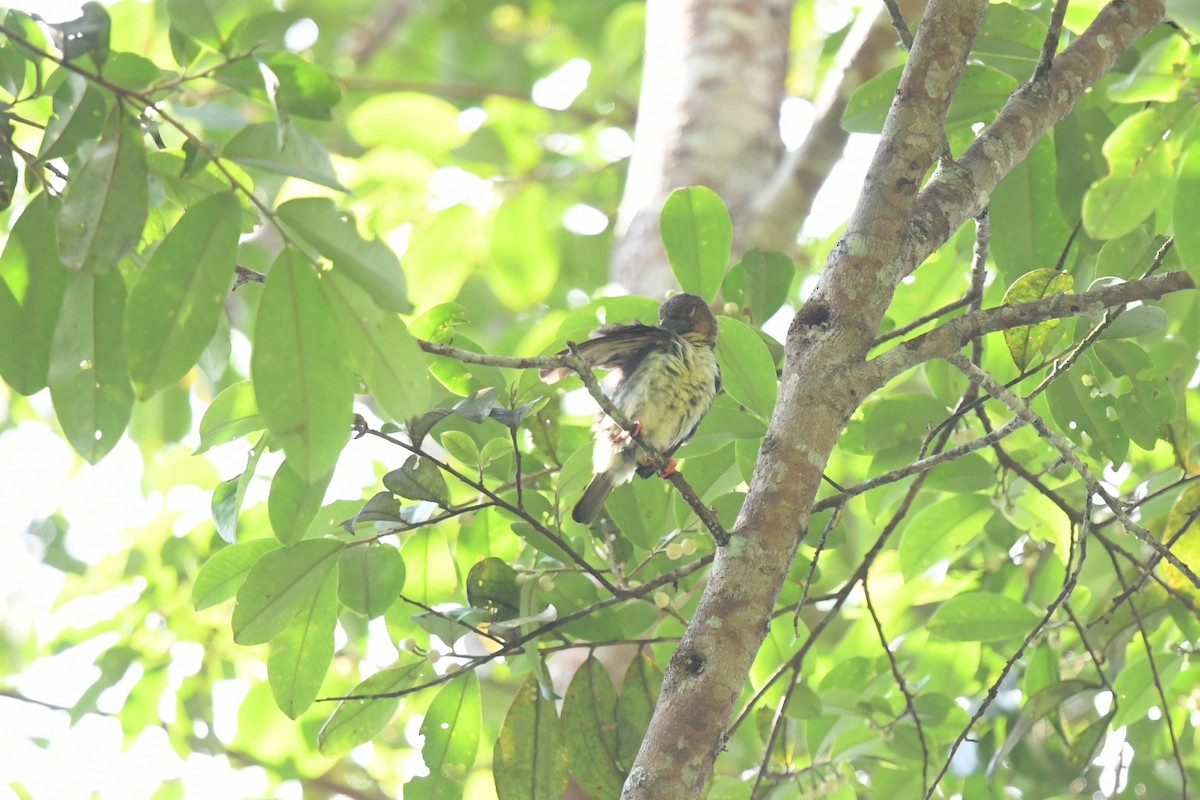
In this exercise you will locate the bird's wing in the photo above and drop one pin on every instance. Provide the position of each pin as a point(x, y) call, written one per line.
point(619, 347)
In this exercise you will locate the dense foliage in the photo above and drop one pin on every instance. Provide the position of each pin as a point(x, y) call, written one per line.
point(206, 200)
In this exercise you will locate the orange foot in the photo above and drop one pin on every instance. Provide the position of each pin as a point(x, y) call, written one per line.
point(623, 436)
point(666, 471)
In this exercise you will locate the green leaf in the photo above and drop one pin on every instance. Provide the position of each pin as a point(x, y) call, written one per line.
point(759, 284)
point(1025, 342)
point(523, 249)
point(1028, 230)
point(87, 34)
point(175, 304)
point(371, 578)
point(107, 200)
point(225, 572)
point(89, 382)
point(971, 473)
point(589, 725)
point(635, 705)
point(1136, 688)
point(283, 149)
point(305, 89)
point(278, 585)
point(981, 94)
point(293, 503)
point(941, 531)
point(202, 20)
point(747, 369)
point(13, 64)
point(530, 757)
point(698, 233)
point(382, 507)
point(1139, 165)
point(432, 123)
point(492, 585)
point(1187, 545)
point(228, 496)
point(34, 280)
point(1010, 39)
point(981, 617)
point(1079, 411)
point(438, 323)
point(1137, 321)
point(388, 358)
point(451, 729)
point(300, 655)
point(231, 415)
point(431, 572)
point(1164, 70)
point(641, 510)
point(418, 479)
point(354, 722)
point(304, 387)
point(1145, 411)
point(334, 234)
point(1186, 219)
point(1038, 707)
point(451, 624)
point(461, 446)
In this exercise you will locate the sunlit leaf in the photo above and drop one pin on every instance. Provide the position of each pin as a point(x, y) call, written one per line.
point(299, 154)
point(942, 531)
point(300, 654)
point(372, 578)
point(1139, 164)
point(107, 200)
point(697, 232)
point(34, 280)
point(981, 617)
point(334, 234)
point(302, 382)
point(223, 574)
point(1187, 539)
point(232, 414)
point(357, 721)
point(451, 729)
point(174, 306)
point(88, 378)
point(747, 370)
point(278, 585)
point(293, 503)
point(1025, 342)
point(387, 357)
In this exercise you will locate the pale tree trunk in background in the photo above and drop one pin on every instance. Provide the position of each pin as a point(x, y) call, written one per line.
point(708, 115)
point(713, 83)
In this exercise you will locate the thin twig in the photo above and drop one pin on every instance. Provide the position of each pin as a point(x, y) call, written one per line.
point(517, 645)
point(497, 500)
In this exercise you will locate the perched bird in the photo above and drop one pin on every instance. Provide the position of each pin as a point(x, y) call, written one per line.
point(668, 377)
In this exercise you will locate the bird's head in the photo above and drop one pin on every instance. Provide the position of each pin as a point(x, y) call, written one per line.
point(688, 314)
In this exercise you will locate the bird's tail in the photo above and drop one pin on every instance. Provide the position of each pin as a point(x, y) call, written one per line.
point(593, 498)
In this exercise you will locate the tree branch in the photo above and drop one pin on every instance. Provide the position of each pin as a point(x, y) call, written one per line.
point(1067, 454)
point(952, 336)
point(959, 191)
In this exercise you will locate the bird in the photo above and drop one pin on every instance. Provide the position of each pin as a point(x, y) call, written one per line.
point(667, 378)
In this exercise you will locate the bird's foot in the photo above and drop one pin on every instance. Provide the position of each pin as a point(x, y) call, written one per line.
point(666, 471)
point(622, 436)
